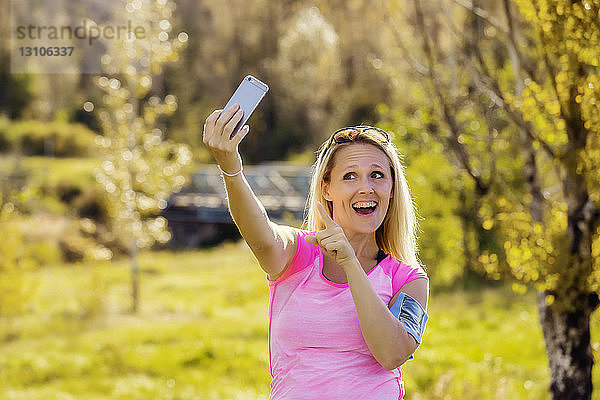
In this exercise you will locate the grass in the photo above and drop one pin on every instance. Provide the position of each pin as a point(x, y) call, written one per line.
point(201, 333)
point(480, 345)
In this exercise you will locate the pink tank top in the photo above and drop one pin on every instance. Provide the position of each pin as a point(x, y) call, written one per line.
point(316, 347)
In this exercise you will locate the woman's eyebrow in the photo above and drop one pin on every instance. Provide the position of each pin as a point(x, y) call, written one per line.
point(355, 166)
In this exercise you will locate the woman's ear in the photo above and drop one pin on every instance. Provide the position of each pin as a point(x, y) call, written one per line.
point(325, 190)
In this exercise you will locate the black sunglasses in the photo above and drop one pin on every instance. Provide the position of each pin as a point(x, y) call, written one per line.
point(350, 134)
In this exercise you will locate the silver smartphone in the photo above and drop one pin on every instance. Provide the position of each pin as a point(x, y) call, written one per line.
point(247, 95)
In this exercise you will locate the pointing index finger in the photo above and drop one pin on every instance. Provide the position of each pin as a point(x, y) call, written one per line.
point(329, 223)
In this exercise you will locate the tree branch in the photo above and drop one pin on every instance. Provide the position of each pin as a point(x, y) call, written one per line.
point(414, 63)
point(549, 68)
point(492, 154)
point(452, 141)
point(481, 13)
point(512, 45)
point(492, 90)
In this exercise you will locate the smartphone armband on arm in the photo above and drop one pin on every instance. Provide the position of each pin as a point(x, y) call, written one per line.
point(412, 316)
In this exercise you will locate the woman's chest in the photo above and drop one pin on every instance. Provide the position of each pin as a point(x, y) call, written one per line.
point(319, 314)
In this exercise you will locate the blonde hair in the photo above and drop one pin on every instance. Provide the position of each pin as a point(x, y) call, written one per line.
point(397, 233)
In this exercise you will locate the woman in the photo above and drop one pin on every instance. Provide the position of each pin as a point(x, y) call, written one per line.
point(348, 296)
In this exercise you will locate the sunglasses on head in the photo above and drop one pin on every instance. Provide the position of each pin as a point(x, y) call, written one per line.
point(350, 134)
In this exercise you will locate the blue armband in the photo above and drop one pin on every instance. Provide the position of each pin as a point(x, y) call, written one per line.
point(412, 316)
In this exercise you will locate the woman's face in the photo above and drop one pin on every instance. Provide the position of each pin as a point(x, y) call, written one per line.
point(360, 187)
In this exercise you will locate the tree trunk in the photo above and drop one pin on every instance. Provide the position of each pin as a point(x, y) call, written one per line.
point(566, 322)
point(567, 337)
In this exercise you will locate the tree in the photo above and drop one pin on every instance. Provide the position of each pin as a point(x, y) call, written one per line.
point(514, 96)
point(16, 88)
point(140, 168)
point(307, 49)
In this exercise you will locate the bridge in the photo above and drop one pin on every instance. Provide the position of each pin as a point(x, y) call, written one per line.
point(198, 214)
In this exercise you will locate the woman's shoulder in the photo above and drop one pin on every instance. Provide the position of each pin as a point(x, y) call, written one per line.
point(298, 234)
point(290, 235)
point(400, 263)
point(302, 246)
point(304, 253)
point(401, 272)
point(292, 231)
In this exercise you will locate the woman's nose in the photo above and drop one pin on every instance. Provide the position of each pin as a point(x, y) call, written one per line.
point(366, 187)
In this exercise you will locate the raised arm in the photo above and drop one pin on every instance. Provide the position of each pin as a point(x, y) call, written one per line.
point(273, 245)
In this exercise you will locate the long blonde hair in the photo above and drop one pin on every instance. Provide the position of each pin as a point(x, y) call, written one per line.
point(397, 233)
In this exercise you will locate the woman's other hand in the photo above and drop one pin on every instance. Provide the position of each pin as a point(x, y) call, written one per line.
point(333, 241)
point(217, 137)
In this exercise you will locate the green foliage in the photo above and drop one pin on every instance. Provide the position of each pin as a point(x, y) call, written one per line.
point(43, 252)
point(61, 185)
point(536, 252)
point(60, 139)
point(515, 107)
point(441, 237)
point(434, 187)
point(79, 242)
point(54, 200)
point(17, 89)
point(53, 172)
point(15, 285)
point(4, 127)
point(561, 102)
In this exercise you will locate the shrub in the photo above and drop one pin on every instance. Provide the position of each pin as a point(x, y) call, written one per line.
point(4, 126)
point(43, 252)
point(89, 205)
point(15, 285)
point(57, 138)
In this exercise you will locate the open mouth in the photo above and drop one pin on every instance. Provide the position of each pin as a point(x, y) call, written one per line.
point(364, 207)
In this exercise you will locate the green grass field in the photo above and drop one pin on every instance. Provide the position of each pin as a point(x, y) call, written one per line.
point(201, 333)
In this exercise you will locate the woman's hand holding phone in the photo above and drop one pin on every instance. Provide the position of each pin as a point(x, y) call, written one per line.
point(223, 129)
point(218, 129)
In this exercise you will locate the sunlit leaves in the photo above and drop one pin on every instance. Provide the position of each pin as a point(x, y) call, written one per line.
point(562, 106)
point(535, 251)
point(540, 107)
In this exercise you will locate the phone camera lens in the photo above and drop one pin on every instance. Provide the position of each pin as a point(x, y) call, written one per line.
point(249, 79)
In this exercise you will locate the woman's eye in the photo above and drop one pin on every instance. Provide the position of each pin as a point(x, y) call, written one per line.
point(349, 175)
point(376, 175)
